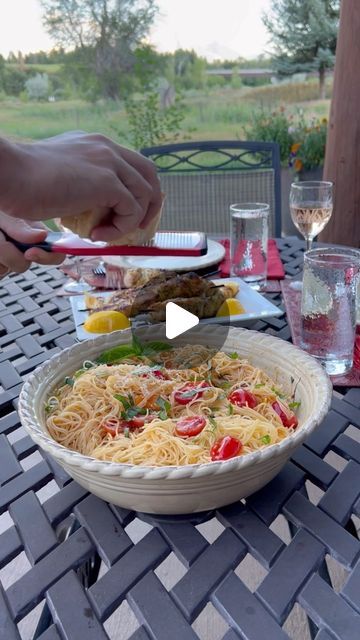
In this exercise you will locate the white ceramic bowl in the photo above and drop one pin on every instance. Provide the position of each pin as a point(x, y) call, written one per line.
point(191, 488)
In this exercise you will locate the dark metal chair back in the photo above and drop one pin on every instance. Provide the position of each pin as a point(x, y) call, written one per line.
point(201, 179)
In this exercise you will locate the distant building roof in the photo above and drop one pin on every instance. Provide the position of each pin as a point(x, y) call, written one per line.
point(241, 72)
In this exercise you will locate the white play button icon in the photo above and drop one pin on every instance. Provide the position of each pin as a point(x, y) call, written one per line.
point(178, 320)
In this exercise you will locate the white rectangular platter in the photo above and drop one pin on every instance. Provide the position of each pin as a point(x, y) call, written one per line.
point(256, 307)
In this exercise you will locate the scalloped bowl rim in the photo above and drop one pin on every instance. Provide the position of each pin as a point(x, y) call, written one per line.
point(29, 418)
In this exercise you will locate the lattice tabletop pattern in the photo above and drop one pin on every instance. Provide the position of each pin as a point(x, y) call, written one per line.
point(86, 569)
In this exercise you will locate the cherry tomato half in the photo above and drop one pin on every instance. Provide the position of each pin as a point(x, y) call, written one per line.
point(190, 391)
point(289, 420)
point(114, 426)
point(243, 398)
point(189, 426)
point(156, 373)
point(225, 448)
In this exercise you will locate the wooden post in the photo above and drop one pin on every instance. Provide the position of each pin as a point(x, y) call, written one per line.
point(342, 161)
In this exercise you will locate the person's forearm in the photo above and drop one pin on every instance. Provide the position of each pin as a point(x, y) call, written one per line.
point(13, 170)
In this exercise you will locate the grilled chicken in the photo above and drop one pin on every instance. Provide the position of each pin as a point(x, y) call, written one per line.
point(190, 291)
point(203, 306)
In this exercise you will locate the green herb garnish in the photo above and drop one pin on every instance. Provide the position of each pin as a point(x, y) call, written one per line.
point(136, 344)
point(294, 404)
point(88, 364)
point(193, 392)
point(136, 348)
point(230, 410)
point(115, 355)
point(79, 373)
point(278, 393)
point(213, 423)
point(165, 407)
point(258, 386)
point(266, 439)
point(132, 412)
point(130, 408)
point(124, 401)
point(233, 355)
point(149, 348)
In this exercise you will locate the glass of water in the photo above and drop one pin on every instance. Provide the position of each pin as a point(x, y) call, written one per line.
point(249, 230)
point(328, 306)
point(79, 285)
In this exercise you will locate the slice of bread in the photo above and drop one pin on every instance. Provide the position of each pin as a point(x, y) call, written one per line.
point(84, 223)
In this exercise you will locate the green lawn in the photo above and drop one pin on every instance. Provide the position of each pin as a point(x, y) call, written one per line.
point(41, 68)
point(215, 114)
point(39, 120)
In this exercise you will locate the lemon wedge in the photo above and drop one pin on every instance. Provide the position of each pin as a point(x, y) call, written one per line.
point(106, 321)
point(230, 307)
point(234, 288)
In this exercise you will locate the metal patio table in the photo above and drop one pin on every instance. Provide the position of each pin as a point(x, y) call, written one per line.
point(61, 573)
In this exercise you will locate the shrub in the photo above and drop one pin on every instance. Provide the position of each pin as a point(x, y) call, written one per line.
point(149, 124)
point(14, 81)
point(272, 126)
point(308, 151)
point(38, 87)
point(302, 144)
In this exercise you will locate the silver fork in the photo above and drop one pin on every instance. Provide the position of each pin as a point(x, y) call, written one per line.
point(100, 270)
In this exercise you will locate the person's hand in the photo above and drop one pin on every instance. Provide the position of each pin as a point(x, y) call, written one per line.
point(76, 172)
point(11, 259)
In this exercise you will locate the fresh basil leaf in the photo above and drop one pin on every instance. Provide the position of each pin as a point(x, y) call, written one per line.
point(156, 346)
point(124, 401)
point(88, 364)
point(278, 393)
point(233, 355)
point(78, 373)
point(165, 407)
point(213, 423)
point(266, 439)
point(192, 392)
point(136, 345)
point(112, 356)
point(132, 412)
point(226, 385)
point(294, 405)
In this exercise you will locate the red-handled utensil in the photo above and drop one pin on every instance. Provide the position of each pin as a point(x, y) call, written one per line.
point(164, 243)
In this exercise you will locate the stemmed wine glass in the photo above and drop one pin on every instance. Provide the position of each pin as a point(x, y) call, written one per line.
point(311, 206)
point(79, 285)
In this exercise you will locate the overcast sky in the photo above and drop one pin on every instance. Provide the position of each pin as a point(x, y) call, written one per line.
point(216, 28)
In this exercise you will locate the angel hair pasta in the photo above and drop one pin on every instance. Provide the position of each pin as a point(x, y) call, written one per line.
point(141, 409)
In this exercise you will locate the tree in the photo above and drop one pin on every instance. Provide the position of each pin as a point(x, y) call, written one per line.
point(304, 33)
point(2, 72)
point(105, 33)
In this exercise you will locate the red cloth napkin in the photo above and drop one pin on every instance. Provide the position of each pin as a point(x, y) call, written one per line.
point(275, 266)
